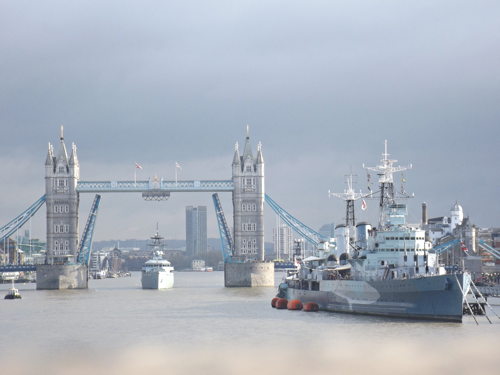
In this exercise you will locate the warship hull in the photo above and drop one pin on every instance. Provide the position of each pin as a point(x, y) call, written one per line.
point(437, 298)
point(157, 280)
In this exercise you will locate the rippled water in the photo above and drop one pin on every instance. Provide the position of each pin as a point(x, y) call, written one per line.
point(116, 327)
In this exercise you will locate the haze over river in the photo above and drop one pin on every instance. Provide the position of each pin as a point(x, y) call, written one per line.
point(202, 327)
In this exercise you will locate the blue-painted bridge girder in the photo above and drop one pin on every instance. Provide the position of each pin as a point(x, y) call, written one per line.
point(441, 248)
point(309, 234)
point(227, 245)
point(491, 250)
point(18, 268)
point(8, 229)
point(153, 185)
point(83, 255)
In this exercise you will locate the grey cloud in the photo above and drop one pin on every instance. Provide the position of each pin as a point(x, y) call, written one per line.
point(323, 82)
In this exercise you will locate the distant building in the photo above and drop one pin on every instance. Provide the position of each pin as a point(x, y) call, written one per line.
point(11, 254)
point(283, 243)
point(28, 244)
point(439, 228)
point(327, 230)
point(198, 264)
point(98, 261)
point(491, 236)
point(196, 231)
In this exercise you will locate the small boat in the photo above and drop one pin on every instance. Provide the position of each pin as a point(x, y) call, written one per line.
point(13, 292)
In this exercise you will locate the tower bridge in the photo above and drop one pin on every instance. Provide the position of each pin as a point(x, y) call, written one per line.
point(244, 267)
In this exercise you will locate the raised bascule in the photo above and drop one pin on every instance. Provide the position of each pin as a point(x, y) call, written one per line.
point(66, 267)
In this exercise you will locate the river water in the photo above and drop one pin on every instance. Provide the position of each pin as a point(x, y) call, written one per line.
point(199, 326)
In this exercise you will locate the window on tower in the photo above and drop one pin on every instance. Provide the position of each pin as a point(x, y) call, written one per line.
point(249, 184)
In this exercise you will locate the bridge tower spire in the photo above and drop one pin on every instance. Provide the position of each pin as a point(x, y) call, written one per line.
point(248, 202)
point(62, 200)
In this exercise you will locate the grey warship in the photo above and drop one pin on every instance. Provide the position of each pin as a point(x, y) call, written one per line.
point(390, 270)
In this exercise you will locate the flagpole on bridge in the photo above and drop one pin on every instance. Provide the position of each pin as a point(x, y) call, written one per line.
point(137, 166)
point(177, 165)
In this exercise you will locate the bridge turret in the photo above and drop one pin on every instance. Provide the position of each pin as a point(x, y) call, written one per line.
point(259, 165)
point(236, 159)
point(248, 203)
point(62, 156)
point(50, 160)
point(74, 165)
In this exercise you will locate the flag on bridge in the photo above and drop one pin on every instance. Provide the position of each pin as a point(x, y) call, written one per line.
point(464, 248)
point(138, 166)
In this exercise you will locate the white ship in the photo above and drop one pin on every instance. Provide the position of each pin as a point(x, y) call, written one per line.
point(157, 273)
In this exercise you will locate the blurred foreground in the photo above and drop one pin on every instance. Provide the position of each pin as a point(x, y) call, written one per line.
point(340, 356)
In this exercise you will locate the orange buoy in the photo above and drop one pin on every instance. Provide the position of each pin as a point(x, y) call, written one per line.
point(281, 303)
point(311, 307)
point(273, 301)
point(294, 304)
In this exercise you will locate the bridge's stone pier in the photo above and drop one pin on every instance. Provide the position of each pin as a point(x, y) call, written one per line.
point(63, 186)
point(61, 276)
point(249, 274)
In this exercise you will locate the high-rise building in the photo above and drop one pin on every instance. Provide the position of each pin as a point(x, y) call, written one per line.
point(196, 231)
point(283, 243)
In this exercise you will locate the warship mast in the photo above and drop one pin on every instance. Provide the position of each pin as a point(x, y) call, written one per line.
point(385, 171)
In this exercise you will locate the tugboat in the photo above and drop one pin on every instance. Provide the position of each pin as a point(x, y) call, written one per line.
point(13, 292)
point(157, 273)
point(390, 270)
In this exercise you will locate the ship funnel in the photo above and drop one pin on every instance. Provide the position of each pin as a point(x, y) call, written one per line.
point(424, 213)
point(363, 230)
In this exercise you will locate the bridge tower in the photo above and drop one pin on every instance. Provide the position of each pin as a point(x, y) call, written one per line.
point(248, 202)
point(61, 177)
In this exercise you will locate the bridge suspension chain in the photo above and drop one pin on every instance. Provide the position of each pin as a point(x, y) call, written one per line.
point(309, 234)
point(8, 229)
point(489, 249)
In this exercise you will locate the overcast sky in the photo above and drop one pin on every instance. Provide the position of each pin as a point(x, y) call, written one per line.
point(321, 83)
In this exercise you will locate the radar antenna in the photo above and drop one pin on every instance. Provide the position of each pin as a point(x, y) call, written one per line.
point(385, 171)
point(349, 195)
